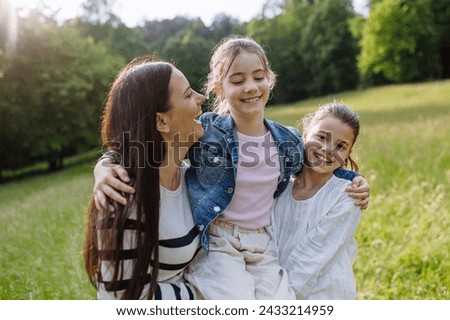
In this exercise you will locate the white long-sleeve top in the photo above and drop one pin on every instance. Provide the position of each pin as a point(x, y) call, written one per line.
point(316, 241)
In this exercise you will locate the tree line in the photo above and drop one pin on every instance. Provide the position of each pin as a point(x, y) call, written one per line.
point(54, 75)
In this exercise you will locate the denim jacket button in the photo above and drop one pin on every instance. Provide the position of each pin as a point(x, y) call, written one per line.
point(284, 179)
point(230, 190)
point(216, 208)
point(200, 227)
point(216, 160)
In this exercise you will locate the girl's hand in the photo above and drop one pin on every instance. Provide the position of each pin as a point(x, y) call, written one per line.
point(109, 180)
point(359, 190)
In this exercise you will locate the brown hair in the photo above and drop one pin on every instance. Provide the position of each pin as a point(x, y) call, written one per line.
point(140, 90)
point(338, 111)
point(224, 54)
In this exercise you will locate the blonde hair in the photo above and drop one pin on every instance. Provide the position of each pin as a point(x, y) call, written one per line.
point(338, 111)
point(223, 57)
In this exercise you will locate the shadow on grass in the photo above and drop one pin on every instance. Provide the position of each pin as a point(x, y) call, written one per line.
point(42, 168)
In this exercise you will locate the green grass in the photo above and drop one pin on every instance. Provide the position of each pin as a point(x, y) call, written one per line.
point(404, 238)
point(42, 228)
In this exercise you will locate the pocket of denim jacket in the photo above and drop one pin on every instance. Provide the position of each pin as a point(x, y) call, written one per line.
point(213, 166)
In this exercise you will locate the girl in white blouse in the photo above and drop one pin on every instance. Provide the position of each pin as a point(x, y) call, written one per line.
point(315, 220)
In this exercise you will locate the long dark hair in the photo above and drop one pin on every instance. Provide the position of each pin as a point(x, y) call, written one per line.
point(140, 90)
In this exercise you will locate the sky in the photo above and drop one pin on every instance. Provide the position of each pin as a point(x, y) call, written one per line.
point(135, 11)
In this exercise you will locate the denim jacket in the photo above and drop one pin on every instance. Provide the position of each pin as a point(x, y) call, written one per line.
point(211, 178)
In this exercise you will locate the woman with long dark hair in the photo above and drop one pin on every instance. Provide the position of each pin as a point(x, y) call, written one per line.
point(138, 249)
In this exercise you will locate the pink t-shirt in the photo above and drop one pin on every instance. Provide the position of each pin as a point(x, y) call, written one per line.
point(257, 179)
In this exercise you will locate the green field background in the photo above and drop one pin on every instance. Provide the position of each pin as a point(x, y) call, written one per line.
point(404, 236)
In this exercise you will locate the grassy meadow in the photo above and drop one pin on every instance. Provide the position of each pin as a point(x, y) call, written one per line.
point(404, 236)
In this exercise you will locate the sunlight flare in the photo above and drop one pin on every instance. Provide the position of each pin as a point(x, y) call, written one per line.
point(8, 18)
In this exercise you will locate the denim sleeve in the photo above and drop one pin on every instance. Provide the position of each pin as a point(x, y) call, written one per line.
point(345, 174)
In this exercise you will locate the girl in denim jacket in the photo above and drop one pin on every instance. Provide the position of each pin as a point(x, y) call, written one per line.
point(241, 164)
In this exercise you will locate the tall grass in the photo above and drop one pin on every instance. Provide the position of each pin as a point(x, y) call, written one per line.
point(404, 236)
point(42, 227)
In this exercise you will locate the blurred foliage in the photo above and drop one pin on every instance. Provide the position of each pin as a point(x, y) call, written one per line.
point(400, 43)
point(52, 90)
point(54, 84)
point(329, 49)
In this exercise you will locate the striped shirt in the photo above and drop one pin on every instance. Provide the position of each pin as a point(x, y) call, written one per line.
point(178, 244)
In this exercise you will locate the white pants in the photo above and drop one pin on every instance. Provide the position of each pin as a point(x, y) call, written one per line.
point(242, 264)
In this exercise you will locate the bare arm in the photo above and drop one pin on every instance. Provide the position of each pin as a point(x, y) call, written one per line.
point(359, 190)
point(109, 180)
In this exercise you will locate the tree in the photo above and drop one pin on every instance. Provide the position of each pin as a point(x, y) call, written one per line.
point(191, 53)
point(224, 25)
point(99, 22)
point(399, 43)
point(310, 48)
point(280, 36)
point(441, 17)
point(329, 49)
point(127, 42)
point(119, 38)
point(52, 91)
point(99, 12)
point(156, 32)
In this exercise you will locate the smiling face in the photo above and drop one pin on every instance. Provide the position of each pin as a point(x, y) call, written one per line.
point(328, 143)
point(246, 86)
point(185, 107)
